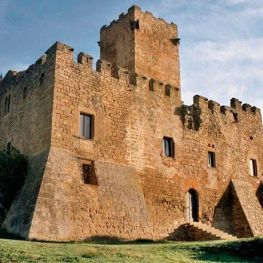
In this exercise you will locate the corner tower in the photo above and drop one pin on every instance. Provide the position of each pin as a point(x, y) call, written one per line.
point(143, 44)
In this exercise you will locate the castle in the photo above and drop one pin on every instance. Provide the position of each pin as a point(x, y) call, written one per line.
point(114, 151)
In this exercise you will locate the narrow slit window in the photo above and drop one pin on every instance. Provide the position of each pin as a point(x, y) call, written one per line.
point(253, 167)
point(25, 93)
point(7, 104)
point(151, 85)
point(211, 159)
point(41, 79)
point(168, 147)
point(168, 90)
point(86, 126)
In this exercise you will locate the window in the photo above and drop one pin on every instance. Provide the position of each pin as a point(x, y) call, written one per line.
point(168, 146)
point(24, 92)
point(168, 90)
point(41, 79)
point(88, 174)
point(8, 146)
point(151, 85)
point(211, 159)
point(135, 24)
point(86, 126)
point(7, 103)
point(253, 167)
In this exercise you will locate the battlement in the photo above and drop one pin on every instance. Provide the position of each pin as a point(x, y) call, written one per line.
point(235, 105)
point(133, 24)
point(202, 105)
point(143, 44)
point(13, 78)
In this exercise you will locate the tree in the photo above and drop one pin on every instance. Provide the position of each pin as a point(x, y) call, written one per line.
point(13, 170)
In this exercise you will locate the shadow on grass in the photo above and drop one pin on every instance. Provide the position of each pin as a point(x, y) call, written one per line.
point(239, 251)
point(113, 240)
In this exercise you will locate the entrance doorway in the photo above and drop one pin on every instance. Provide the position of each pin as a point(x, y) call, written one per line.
point(192, 206)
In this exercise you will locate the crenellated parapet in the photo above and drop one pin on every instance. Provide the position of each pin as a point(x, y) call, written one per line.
point(134, 24)
point(193, 115)
point(36, 70)
point(106, 69)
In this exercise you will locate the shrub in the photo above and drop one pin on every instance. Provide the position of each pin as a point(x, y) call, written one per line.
point(13, 170)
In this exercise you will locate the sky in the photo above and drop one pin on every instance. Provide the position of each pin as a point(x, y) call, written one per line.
point(221, 49)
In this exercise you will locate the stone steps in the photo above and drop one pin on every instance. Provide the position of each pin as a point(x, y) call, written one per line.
point(216, 233)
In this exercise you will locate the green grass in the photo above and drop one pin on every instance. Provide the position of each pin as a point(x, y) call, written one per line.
point(25, 251)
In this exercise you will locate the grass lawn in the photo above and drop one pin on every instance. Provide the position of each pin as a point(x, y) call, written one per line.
point(25, 251)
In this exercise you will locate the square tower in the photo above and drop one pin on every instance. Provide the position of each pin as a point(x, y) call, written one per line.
point(144, 44)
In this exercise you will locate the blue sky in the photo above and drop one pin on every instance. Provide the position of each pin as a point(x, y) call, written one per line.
point(221, 47)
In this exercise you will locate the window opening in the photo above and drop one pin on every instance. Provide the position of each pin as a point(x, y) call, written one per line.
point(24, 93)
point(151, 83)
point(7, 103)
point(86, 126)
point(168, 90)
point(88, 174)
point(253, 167)
point(211, 159)
point(41, 80)
point(168, 147)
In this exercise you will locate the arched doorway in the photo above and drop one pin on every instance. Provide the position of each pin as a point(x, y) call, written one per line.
point(192, 206)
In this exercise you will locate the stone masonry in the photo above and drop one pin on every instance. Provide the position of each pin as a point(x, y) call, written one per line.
point(134, 96)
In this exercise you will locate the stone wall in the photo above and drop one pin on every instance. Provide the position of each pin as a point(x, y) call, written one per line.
point(143, 44)
point(27, 126)
point(141, 193)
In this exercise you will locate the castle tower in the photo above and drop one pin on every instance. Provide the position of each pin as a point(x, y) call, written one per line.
point(143, 44)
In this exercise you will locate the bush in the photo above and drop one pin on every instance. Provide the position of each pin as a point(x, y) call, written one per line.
point(13, 170)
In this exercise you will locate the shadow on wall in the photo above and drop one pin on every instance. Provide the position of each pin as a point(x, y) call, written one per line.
point(259, 194)
point(229, 215)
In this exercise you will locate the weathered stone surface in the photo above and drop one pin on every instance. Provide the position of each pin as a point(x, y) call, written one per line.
point(141, 193)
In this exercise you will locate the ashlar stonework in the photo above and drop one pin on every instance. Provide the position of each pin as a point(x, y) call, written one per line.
point(148, 164)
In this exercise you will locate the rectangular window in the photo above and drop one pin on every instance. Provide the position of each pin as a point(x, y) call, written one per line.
point(253, 167)
point(86, 126)
point(211, 159)
point(168, 146)
point(88, 174)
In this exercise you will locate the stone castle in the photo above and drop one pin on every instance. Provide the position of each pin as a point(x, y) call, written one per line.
point(114, 152)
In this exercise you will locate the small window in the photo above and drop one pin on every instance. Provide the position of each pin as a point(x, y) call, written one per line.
point(7, 103)
point(168, 147)
point(135, 24)
point(168, 90)
point(151, 85)
point(8, 146)
point(88, 174)
point(41, 79)
point(211, 159)
point(24, 93)
point(86, 126)
point(253, 167)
